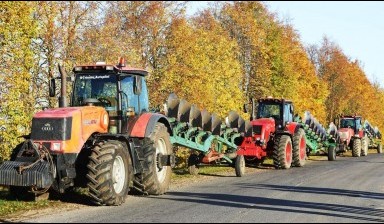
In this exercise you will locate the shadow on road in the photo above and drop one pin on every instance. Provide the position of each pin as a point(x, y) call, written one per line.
point(282, 205)
point(314, 190)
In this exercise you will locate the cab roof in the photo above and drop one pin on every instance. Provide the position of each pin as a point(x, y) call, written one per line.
point(93, 68)
point(272, 99)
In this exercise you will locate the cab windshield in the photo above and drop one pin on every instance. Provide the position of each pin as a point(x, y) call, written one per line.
point(347, 123)
point(102, 87)
point(267, 110)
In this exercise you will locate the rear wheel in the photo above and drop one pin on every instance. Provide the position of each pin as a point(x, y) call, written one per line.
point(156, 179)
point(282, 152)
point(356, 149)
point(299, 148)
point(364, 146)
point(108, 173)
point(240, 165)
point(331, 153)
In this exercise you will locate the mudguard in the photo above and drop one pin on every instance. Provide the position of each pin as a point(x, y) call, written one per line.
point(293, 127)
point(145, 124)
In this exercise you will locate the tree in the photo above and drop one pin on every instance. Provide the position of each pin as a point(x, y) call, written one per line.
point(17, 30)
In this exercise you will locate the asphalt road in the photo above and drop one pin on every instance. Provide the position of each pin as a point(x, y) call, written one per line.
point(346, 190)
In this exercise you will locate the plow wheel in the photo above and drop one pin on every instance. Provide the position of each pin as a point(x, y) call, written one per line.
point(356, 149)
point(364, 146)
point(108, 173)
point(193, 161)
point(156, 179)
point(282, 152)
point(240, 165)
point(299, 148)
point(331, 153)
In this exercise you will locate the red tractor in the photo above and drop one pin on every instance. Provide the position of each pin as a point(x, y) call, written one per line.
point(352, 135)
point(274, 134)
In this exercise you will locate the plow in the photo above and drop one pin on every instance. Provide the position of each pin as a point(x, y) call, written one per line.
point(374, 137)
point(319, 141)
point(210, 140)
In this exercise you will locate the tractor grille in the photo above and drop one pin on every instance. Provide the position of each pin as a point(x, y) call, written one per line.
point(58, 129)
point(256, 129)
point(343, 135)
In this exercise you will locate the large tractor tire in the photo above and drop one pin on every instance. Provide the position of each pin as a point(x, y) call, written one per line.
point(356, 148)
point(282, 152)
point(379, 148)
point(299, 148)
point(331, 153)
point(156, 179)
point(108, 172)
point(364, 146)
point(240, 166)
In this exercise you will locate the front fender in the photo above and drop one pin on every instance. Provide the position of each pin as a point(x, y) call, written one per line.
point(145, 124)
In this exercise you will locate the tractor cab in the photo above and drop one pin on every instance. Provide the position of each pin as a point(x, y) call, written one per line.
point(280, 110)
point(352, 122)
point(120, 89)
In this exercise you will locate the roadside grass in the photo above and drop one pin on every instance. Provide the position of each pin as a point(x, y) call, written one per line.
point(9, 204)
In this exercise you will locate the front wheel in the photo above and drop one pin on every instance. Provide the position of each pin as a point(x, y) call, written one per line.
point(157, 178)
point(240, 165)
point(108, 172)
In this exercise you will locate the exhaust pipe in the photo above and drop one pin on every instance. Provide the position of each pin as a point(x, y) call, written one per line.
point(63, 93)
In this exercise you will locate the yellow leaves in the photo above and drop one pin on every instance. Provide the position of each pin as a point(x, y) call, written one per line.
point(17, 31)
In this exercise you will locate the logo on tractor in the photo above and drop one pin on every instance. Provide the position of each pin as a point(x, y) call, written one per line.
point(89, 122)
point(47, 127)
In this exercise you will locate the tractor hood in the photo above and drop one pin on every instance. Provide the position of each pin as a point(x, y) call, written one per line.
point(64, 130)
point(264, 121)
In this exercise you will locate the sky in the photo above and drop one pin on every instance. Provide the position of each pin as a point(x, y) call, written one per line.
point(357, 27)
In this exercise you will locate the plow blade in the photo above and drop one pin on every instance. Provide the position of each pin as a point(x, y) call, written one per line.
point(38, 175)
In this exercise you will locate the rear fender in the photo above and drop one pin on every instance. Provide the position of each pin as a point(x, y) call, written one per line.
point(293, 127)
point(146, 123)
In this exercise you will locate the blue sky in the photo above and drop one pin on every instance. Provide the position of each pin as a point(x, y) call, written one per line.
point(356, 26)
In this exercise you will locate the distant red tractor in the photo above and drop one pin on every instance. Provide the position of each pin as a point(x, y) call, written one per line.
point(274, 134)
point(352, 135)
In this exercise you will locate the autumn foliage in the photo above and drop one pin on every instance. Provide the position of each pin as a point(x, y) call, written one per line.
point(216, 59)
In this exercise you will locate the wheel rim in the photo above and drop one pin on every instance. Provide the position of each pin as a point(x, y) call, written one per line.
point(302, 148)
point(161, 149)
point(118, 174)
point(288, 153)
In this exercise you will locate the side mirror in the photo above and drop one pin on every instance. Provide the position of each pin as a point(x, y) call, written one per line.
point(137, 85)
point(52, 87)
